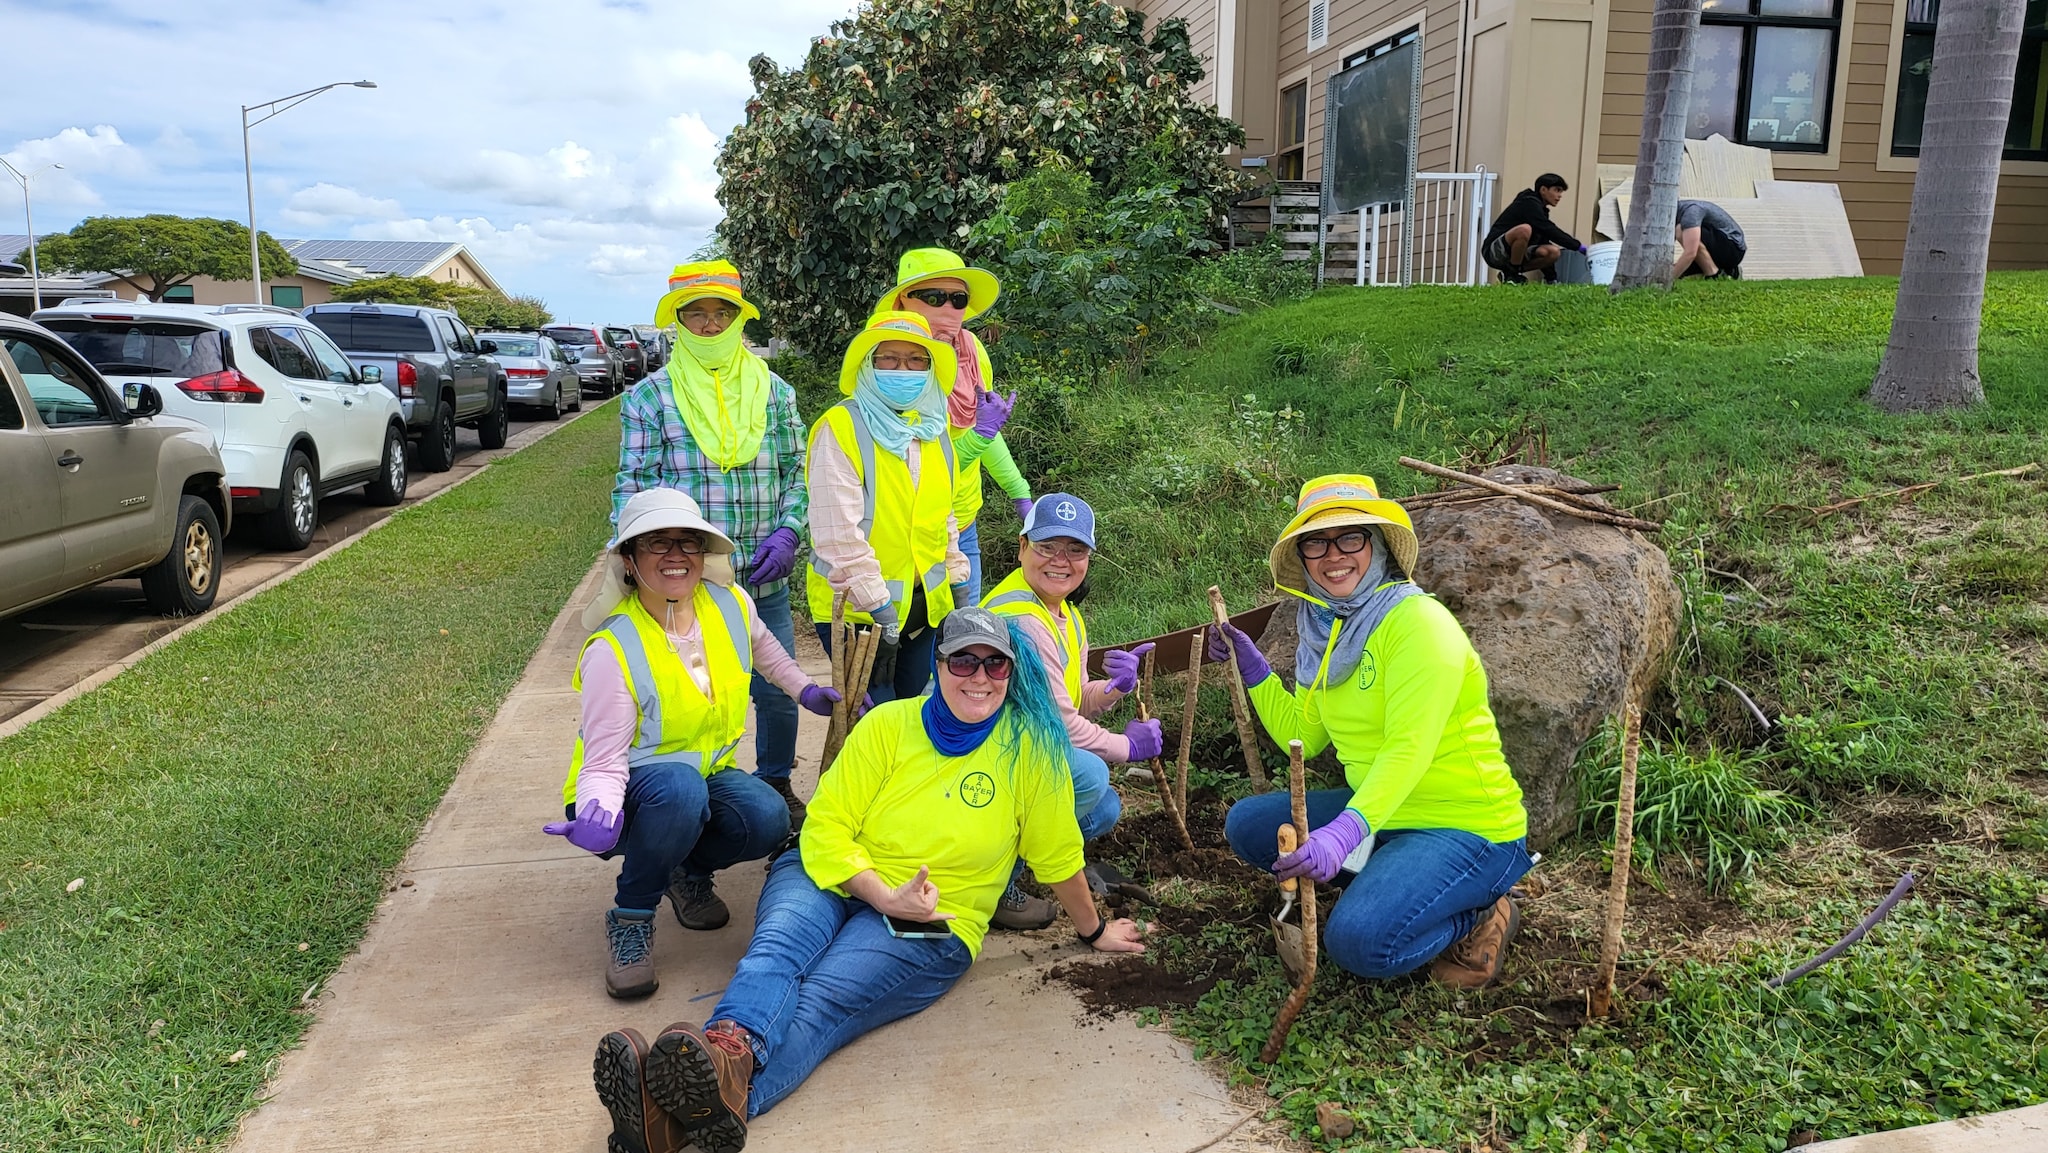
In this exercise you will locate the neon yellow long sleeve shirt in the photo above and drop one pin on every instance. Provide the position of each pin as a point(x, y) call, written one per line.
point(1412, 728)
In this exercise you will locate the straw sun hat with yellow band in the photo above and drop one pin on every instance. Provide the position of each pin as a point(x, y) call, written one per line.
point(922, 264)
point(698, 279)
point(1337, 501)
point(897, 326)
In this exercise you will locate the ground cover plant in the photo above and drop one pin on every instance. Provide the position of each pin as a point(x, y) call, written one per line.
point(188, 852)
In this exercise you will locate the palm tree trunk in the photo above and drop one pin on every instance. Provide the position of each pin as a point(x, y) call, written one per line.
point(1667, 94)
point(1930, 362)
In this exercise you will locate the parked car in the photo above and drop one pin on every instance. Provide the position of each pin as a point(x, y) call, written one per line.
point(537, 371)
point(294, 420)
point(629, 347)
point(656, 344)
point(101, 483)
point(433, 364)
point(599, 366)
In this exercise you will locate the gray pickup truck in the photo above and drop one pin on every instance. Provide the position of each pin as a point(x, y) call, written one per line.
point(440, 373)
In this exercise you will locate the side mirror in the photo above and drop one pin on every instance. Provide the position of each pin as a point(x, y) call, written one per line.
point(489, 347)
point(141, 399)
point(371, 374)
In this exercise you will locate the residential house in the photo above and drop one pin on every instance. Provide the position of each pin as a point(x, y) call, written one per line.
point(323, 266)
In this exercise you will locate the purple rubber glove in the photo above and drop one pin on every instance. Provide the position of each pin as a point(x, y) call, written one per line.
point(1122, 666)
point(1146, 740)
point(818, 699)
point(595, 829)
point(1023, 504)
point(775, 559)
point(992, 411)
point(1326, 849)
point(1251, 663)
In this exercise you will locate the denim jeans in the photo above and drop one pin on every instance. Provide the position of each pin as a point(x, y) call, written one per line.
point(774, 711)
point(676, 816)
point(913, 671)
point(822, 970)
point(1096, 803)
point(1421, 889)
point(969, 593)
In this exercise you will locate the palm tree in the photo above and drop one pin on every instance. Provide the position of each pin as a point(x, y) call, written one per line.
point(1653, 206)
point(1930, 362)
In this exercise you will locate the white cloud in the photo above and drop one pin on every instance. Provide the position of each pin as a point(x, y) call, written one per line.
point(83, 154)
point(324, 205)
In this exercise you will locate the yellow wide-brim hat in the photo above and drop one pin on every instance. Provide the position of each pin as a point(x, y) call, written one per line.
point(1332, 502)
point(703, 278)
point(922, 264)
point(897, 326)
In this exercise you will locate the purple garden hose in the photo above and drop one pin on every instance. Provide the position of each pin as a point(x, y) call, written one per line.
point(1884, 907)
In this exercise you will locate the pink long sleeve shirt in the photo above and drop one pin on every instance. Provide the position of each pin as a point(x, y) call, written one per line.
point(1096, 696)
point(837, 502)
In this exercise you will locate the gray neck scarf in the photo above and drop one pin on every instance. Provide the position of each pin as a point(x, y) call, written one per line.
point(1361, 613)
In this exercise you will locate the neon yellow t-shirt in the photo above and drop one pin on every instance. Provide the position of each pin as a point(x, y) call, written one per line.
point(893, 803)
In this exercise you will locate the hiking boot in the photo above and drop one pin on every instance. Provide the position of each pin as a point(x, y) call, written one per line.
point(695, 904)
point(787, 790)
point(701, 1079)
point(630, 933)
point(1476, 960)
point(1020, 910)
point(638, 1124)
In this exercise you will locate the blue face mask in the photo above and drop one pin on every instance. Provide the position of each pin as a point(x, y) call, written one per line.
point(901, 387)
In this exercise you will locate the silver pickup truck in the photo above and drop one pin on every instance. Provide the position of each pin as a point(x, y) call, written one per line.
point(440, 373)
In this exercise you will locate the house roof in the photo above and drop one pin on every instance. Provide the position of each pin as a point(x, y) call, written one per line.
point(340, 261)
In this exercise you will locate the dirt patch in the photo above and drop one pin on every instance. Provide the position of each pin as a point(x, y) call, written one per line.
point(1129, 983)
point(1898, 830)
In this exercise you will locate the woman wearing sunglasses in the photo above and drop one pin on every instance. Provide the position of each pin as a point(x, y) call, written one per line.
point(1427, 834)
point(1053, 553)
point(665, 680)
point(937, 285)
point(909, 844)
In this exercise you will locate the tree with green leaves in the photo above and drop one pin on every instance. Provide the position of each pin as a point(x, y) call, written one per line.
point(903, 124)
point(156, 253)
point(478, 307)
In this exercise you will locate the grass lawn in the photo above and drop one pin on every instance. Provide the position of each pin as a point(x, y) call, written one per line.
point(233, 804)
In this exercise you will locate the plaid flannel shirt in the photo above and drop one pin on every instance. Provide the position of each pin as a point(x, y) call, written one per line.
point(748, 503)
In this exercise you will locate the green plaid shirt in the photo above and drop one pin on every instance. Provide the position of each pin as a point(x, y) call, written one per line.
point(748, 503)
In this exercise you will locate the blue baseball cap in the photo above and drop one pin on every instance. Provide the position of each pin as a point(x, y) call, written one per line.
point(1060, 514)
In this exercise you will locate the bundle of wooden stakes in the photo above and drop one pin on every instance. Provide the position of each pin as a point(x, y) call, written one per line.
point(853, 662)
point(1572, 499)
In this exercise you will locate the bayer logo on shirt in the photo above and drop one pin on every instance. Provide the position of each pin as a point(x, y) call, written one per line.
point(977, 789)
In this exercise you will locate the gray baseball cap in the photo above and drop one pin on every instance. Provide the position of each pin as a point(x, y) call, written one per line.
point(974, 626)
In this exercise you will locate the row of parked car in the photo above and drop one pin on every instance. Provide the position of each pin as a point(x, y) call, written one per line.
point(162, 424)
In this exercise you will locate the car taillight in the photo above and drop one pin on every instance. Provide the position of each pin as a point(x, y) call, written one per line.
point(227, 386)
point(526, 372)
point(408, 380)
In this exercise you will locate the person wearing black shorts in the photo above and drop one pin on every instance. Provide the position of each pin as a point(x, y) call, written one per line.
point(1523, 239)
point(1713, 244)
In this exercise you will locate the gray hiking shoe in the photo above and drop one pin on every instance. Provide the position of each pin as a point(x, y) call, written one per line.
point(630, 932)
point(1020, 910)
point(696, 905)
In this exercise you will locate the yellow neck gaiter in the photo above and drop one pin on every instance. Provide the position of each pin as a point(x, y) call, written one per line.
point(721, 390)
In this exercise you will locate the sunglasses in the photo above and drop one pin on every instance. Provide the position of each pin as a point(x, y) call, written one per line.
point(964, 665)
point(939, 297)
point(1054, 550)
point(1316, 547)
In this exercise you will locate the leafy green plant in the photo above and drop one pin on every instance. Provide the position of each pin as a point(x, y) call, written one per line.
point(478, 307)
point(1710, 810)
point(156, 253)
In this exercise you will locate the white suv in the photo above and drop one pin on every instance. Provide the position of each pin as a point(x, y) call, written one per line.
point(294, 419)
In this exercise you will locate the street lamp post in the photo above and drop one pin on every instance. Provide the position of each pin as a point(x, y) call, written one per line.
point(280, 105)
point(28, 210)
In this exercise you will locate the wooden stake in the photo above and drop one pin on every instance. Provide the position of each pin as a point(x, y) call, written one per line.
point(1187, 720)
point(861, 664)
point(1310, 930)
point(835, 727)
point(1240, 705)
point(1602, 1001)
point(1616, 519)
point(1167, 800)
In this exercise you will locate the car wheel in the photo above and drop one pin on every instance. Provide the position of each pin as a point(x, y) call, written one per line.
point(185, 582)
point(496, 424)
point(290, 525)
point(576, 403)
point(389, 487)
point(437, 447)
point(553, 411)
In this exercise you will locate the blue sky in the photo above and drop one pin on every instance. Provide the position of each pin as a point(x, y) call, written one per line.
point(569, 143)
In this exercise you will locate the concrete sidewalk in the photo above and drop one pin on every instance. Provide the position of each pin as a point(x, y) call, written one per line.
point(468, 1018)
point(2013, 1131)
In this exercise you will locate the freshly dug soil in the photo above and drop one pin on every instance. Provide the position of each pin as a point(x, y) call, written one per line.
point(1128, 983)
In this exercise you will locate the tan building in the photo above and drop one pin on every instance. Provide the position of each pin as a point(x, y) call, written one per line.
point(323, 266)
point(1834, 89)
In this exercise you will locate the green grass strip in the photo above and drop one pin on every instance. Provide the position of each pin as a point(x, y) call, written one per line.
point(241, 795)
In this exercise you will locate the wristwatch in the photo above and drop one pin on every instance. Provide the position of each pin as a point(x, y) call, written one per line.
point(1089, 939)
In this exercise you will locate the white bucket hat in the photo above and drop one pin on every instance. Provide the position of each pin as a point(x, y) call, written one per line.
point(648, 511)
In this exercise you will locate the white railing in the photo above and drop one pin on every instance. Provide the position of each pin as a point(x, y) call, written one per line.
point(1440, 239)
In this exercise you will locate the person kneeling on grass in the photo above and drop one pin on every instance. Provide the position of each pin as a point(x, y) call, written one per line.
point(909, 843)
point(664, 680)
point(1428, 835)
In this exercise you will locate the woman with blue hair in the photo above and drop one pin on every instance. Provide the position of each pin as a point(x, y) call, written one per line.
point(909, 845)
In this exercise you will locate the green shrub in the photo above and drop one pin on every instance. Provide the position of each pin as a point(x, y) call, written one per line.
point(1711, 811)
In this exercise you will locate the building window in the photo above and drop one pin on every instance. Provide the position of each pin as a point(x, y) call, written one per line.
point(1764, 72)
point(182, 294)
point(2024, 131)
point(1372, 51)
point(287, 296)
point(1293, 131)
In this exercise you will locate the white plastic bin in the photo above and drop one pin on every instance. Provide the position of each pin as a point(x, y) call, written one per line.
point(1604, 256)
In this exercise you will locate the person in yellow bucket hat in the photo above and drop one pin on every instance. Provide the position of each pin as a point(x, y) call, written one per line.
point(882, 470)
point(717, 424)
point(1428, 834)
point(939, 286)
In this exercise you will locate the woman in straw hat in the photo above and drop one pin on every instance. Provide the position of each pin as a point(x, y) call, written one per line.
point(664, 680)
point(1428, 833)
point(883, 530)
point(717, 424)
point(939, 286)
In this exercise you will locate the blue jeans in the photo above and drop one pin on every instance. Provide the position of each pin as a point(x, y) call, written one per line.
point(1096, 803)
point(1421, 889)
point(676, 816)
point(820, 971)
point(774, 711)
point(969, 593)
point(913, 671)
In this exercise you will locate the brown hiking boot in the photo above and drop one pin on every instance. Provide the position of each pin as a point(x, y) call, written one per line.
point(638, 1124)
point(702, 1079)
point(697, 906)
point(1476, 960)
point(630, 935)
point(1020, 910)
point(783, 786)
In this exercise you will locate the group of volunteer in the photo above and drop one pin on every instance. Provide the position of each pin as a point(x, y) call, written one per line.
point(979, 747)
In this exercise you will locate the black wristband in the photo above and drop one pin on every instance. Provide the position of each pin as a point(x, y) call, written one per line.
point(1089, 939)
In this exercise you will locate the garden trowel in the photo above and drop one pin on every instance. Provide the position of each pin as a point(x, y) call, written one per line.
point(1287, 937)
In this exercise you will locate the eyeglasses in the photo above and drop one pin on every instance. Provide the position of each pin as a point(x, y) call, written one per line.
point(1316, 547)
point(1054, 550)
point(664, 545)
point(939, 297)
point(964, 665)
point(719, 314)
point(897, 361)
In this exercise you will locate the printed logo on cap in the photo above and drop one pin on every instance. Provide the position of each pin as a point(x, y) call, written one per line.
point(1066, 510)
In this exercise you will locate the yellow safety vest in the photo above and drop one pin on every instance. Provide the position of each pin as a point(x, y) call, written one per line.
point(677, 722)
point(967, 490)
point(905, 523)
point(1014, 598)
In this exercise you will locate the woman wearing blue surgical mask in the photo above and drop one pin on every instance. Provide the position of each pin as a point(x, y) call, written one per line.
point(881, 474)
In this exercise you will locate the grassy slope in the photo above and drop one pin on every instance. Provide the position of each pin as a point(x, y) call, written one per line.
point(234, 803)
